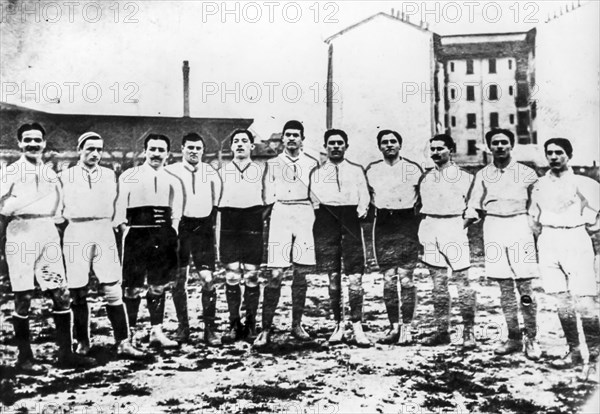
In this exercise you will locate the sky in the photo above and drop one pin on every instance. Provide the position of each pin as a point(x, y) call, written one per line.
point(262, 60)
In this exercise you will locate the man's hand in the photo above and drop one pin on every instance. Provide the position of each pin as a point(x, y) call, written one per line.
point(469, 221)
point(61, 227)
point(267, 210)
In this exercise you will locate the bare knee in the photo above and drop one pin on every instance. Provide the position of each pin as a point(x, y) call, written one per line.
point(133, 293)
point(251, 278)
point(157, 290)
point(206, 279)
point(60, 298)
point(79, 295)
point(355, 281)
point(275, 277)
point(113, 292)
point(23, 302)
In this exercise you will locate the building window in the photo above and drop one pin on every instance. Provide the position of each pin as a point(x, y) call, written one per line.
point(493, 93)
point(469, 66)
point(451, 66)
point(492, 63)
point(470, 93)
point(511, 118)
point(510, 90)
point(452, 93)
point(509, 63)
point(446, 121)
point(471, 121)
point(471, 147)
point(453, 120)
point(493, 119)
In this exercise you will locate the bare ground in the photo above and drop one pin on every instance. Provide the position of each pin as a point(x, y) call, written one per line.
point(294, 377)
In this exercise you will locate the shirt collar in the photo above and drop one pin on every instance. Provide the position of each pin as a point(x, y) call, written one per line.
point(568, 172)
point(86, 169)
point(288, 158)
point(510, 165)
point(449, 164)
point(189, 166)
point(327, 162)
point(24, 160)
point(149, 168)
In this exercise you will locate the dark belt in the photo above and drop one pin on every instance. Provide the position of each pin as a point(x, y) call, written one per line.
point(149, 216)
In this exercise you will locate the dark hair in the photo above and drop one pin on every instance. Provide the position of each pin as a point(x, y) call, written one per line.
point(385, 132)
point(192, 136)
point(331, 132)
point(293, 125)
point(447, 140)
point(159, 137)
point(30, 127)
point(561, 142)
point(242, 131)
point(497, 131)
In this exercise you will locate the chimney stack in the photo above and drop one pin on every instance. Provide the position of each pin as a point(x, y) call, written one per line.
point(186, 89)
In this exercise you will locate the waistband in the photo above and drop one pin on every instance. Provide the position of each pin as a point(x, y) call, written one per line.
point(149, 216)
point(32, 216)
point(241, 209)
point(86, 219)
point(302, 202)
point(548, 226)
point(443, 216)
point(505, 216)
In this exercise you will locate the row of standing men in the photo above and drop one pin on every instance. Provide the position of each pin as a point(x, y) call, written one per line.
point(167, 214)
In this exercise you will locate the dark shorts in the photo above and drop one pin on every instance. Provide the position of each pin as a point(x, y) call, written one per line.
point(396, 238)
point(338, 239)
point(241, 235)
point(150, 251)
point(197, 238)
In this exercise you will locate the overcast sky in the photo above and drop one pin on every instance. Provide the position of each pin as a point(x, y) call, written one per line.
point(261, 60)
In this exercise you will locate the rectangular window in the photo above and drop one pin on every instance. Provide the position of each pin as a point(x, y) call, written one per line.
point(511, 118)
point(470, 93)
point(451, 66)
point(493, 93)
point(452, 93)
point(510, 63)
point(492, 63)
point(471, 147)
point(493, 119)
point(453, 119)
point(510, 90)
point(471, 121)
point(469, 66)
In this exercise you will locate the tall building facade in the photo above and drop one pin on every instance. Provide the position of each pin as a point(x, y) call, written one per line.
point(489, 82)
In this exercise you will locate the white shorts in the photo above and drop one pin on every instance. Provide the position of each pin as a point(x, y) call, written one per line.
point(33, 253)
point(91, 245)
point(567, 261)
point(291, 235)
point(445, 243)
point(509, 248)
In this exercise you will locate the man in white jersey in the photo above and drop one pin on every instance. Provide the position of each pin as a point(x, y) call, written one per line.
point(501, 193)
point(241, 237)
point(89, 243)
point(443, 192)
point(563, 204)
point(291, 243)
point(341, 194)
point(393, 185)
point(148, 210)
point(202, 189)
point(30, 201)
